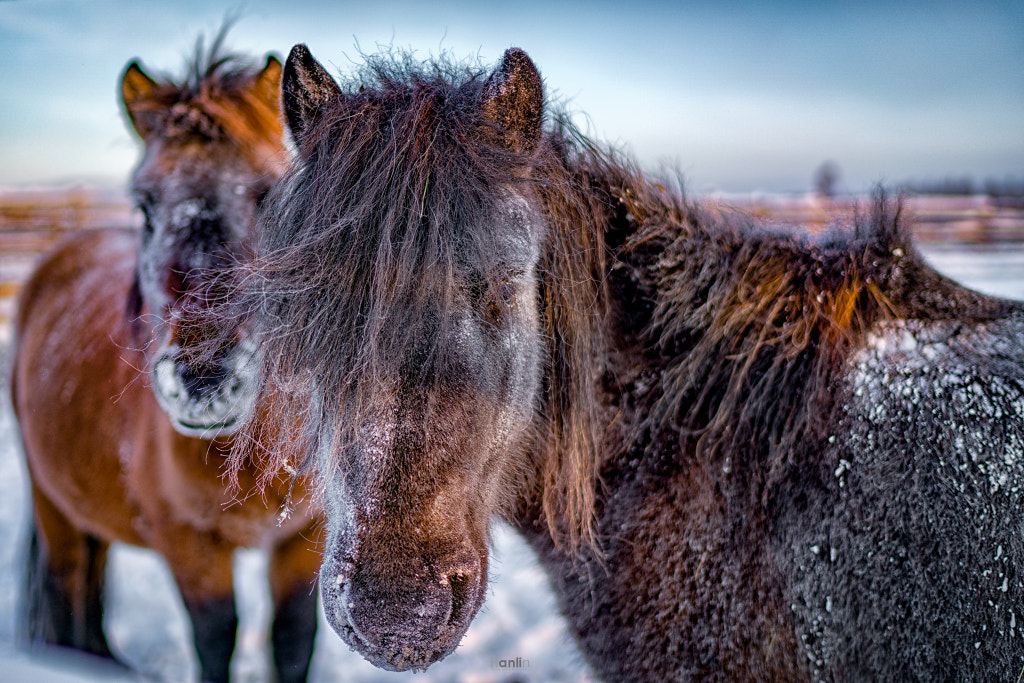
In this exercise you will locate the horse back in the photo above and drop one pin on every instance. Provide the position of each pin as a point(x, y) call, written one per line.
point(903, 550)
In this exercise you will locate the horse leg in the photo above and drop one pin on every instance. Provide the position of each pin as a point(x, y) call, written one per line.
point(202, 570)
point(214, 623)
point(293, 569)
point(64, 582)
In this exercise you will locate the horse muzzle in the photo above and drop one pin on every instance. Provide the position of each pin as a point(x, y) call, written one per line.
point(406, 620)
point(209, 400)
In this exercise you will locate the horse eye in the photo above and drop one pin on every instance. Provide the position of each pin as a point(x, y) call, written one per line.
point(147, 222)
point(261, 196)
point(507, 293)
point(501, 300)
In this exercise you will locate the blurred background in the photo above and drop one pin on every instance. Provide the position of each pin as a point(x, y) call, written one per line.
point(793, 110)
point(740, 95)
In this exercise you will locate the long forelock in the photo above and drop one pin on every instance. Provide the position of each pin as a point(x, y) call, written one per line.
point(373, 208)
point(370, 239)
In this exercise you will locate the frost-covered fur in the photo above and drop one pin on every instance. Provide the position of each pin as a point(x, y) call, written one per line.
point(906, 560)
point(754, 454)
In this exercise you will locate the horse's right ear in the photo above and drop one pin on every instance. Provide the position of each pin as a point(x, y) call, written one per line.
point(306, 87)
point(512, 103)
point(137, 89)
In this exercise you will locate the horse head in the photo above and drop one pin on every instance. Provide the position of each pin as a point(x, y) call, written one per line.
point(401, 287)
point(213, 148)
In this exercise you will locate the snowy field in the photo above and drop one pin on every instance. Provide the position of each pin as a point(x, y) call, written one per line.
point(147, 625)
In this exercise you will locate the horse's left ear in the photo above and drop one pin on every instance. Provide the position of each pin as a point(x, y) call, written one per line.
point(305, 88)
point(137, 89)
point(267, 83)
point(512, 103)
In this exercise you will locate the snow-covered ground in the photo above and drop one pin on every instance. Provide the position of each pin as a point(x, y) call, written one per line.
point(147, 625)
point(997, 269)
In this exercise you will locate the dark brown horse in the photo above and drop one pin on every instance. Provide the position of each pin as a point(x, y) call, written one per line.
point(741, 452)
point(125, 439)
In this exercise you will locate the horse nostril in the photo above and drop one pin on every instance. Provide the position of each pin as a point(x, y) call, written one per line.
point(459, 584)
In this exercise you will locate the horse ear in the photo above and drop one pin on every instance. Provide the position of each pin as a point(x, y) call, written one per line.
point(512, 103)
point(268, 82)
point(136, 89)
point(305, 88)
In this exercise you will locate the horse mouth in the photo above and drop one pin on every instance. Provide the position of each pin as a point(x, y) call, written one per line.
point(204, 419)
point(391, 654)
point(207, 430)
point(212, 402)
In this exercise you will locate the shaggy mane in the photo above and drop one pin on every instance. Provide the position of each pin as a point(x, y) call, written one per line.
point(728, 335)
point(751, 328)
point(745, 328)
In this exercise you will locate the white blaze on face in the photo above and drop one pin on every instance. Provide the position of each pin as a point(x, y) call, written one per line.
point(521, 341)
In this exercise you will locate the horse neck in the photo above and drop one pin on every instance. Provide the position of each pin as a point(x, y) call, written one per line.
point(745, 329)
point(596, 312)
point(672, 265)
point(661, 342)
point(723, 340)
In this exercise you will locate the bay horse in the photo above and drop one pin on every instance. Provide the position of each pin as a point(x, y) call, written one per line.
point(741, 452)
point(125, 436)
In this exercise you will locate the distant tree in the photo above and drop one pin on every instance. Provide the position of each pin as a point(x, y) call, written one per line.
point(1008, 188)
point(825, 179)
point(949, 186)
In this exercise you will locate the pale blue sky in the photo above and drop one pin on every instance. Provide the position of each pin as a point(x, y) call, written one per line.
point(739, 96)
